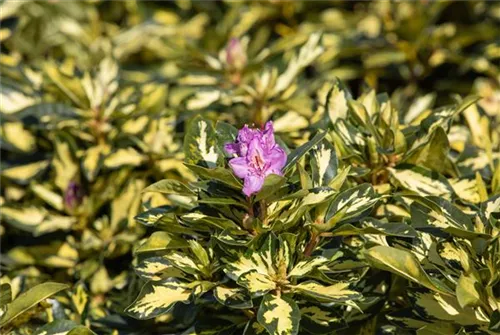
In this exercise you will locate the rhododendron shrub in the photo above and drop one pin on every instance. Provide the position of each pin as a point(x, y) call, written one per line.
point(273, 240)
point(288, 194)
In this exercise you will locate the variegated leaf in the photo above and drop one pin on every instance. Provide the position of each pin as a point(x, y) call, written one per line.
point(436, 214)
point(421, 181)
point(161, 240)
point(338, 292)
point(233, 297)
point(261, 261)
point(22, 174)
point(317, 196)
point(218, 174)
point(158, 298)
point(200, 144)
point(204, 222)
point(351, 203)
point(466, 189)
point(183, 262)
point(491, 208)
point(318, 319)
point(279, 315)
point(402, 263)
point(336, 103)
point(124, 157)
point(297, 154)
point(152, 216)
point(433, 153)
point(256, 283)
point(169, 186)
point(304, 267)
point(157, 268)
point(432, 305)
point(29, 299)
point(93, 160)
point(52, 198)
point(16, 138)
point(470, 292)
point(324, 163)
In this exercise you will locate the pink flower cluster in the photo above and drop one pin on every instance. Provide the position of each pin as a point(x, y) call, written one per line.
point(258, 156)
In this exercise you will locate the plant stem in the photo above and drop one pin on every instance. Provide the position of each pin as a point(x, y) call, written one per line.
point(263, 212)
point(313, 242)
point(250, 207)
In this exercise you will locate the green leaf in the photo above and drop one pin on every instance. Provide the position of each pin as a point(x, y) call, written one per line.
point(200, 143)
point(169, 186)
point(495, 321)
point(56, 327)
point(220, 174)
point(204, 222)
point(5, 294)
point(469, 291)
point(200, 253)
point(226, 133)
point(81, 330)
point(432, 154)
point(296, 154)
point(47, 113)
point(402, 263)
point(161, 240)
point(222, 201)
point(279, 315)
point(319, 319)
point(272, 184)
point(29, 299)
point(158, 298)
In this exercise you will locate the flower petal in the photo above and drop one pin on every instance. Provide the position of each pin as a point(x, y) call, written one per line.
point(277, 159)
point(252, 184)
point(239, 166)
point(232, 148)
point(246, 134)
point(255, 149)
point(268, 135)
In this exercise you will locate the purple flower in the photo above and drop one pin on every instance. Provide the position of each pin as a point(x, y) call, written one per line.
point(258, 156)
point(73, 195)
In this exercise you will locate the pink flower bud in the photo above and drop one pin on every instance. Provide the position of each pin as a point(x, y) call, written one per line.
point(236, 57)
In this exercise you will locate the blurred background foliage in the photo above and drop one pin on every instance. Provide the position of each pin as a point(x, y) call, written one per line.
point(96, 94)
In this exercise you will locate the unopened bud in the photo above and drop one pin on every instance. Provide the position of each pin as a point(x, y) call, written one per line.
point(73, 196)
point(236, 57)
